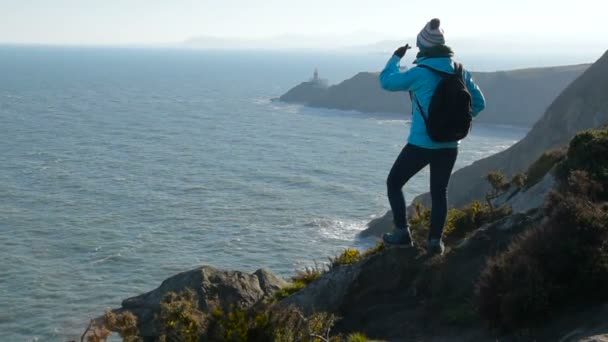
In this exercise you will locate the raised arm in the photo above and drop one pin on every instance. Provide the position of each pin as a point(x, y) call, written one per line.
point(479, 102)
point(392, 79)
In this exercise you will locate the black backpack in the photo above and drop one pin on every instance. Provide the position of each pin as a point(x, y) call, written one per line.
point(450, 114)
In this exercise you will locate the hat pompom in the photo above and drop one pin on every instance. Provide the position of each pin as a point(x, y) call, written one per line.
point(435, 24)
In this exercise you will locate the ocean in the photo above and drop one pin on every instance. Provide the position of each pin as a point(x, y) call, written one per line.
point(122, 167)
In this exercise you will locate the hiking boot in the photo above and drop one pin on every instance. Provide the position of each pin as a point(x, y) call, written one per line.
point(435, 246)
point(399, 237)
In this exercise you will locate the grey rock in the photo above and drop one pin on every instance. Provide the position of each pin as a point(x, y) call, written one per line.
point(380, 274)
point(533, 197)
point(378, 226)
point(214, 288)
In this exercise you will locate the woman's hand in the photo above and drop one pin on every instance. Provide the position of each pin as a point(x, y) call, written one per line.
point(400, 52)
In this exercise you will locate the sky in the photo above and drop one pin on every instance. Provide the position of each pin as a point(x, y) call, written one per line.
point(124, 22)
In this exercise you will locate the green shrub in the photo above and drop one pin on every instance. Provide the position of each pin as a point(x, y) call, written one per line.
point(498, 181)
point(588, 151)
point(499, 184)
point(357, 337)
point(459, 222)
point(560, 263)
point(463, 221)
point(299, 281)
point(519, 180)
point(125, 323)
point(237, 325)
point(277, 325)
point(180, 318)
point(373, 251)
point(289, 290)
point(309, 274)
point(350, 256)
point(542, 166)
point(420, 223)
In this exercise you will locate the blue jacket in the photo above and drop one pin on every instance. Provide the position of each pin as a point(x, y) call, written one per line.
point(422, 82)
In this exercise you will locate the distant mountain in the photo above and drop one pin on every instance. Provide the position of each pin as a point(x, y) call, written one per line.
point(517, 97)
point(582, 105)
point(335, 42)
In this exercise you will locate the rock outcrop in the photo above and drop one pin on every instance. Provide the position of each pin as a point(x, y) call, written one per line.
point(386, 295)
point(517, 97)
point(214, 288)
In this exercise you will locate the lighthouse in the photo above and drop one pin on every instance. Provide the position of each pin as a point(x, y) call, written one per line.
point(317, 81)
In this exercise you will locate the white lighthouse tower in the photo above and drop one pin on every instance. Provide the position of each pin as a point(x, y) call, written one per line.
point(316, 80)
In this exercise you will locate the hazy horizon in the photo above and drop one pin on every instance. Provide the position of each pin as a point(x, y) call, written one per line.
point(300, 24)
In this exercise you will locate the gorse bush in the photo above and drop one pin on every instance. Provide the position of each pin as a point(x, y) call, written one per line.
point(309, 274)
point(275, 325)
point(348, 257)
point(519, 181)
point(564, 261)
point(560, 263)
point(459, 222)
point(299, 281)
point(238, 325)
point(500, 184)
point(180, 318)
point(374, 250)
point(289, 290)
point(124, 323)
point(498, 181)
point(542, 166)
point(357, 337)
point(588, 151)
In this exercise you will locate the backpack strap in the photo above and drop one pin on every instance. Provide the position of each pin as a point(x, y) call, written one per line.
point(459, 70)
point(415, 99)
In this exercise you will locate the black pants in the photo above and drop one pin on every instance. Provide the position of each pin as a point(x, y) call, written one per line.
point(410, 161)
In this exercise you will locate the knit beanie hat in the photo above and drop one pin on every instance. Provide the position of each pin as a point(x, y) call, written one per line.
point(431, 35)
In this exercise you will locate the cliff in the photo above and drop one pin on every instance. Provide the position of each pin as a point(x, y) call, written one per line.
point(517, 97)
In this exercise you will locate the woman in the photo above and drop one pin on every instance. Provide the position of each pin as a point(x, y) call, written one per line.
point(420, 149)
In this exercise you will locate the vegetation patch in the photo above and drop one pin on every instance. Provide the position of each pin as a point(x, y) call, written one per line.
point(374, 250)
point(588, 151)
point(289, 290)
point(459, 222)
point(124, 323)
point(350, 256)
point(180, 318)
point(560, 263)
point(537, 171)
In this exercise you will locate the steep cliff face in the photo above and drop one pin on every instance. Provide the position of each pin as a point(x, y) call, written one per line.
point(516, 97)
point(582, 105)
